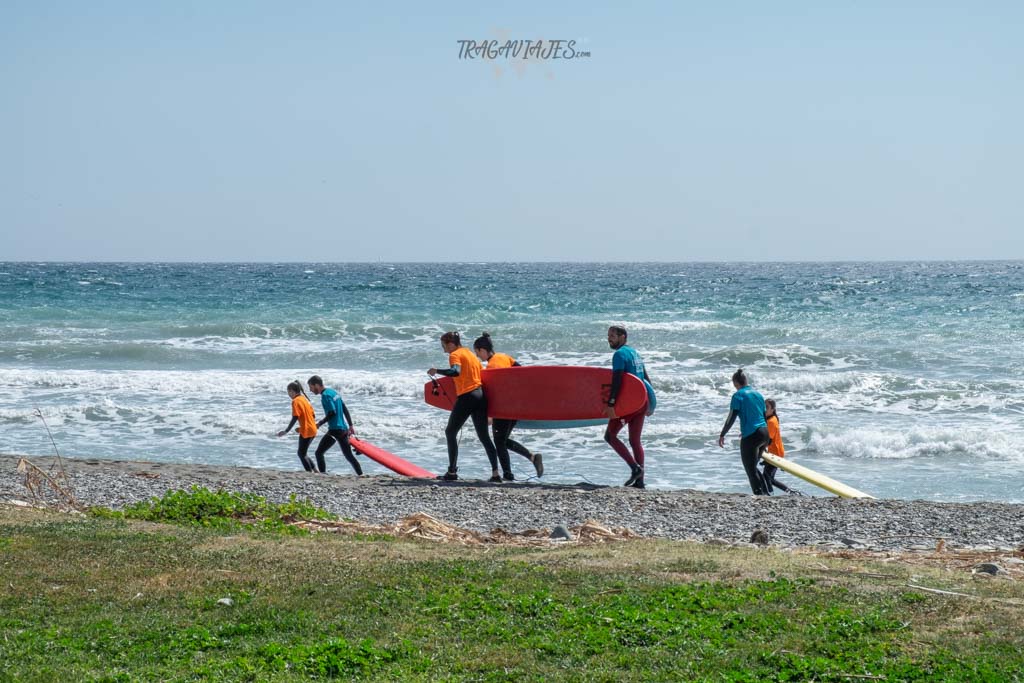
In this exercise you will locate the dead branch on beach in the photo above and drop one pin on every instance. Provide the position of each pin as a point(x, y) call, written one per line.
point(60, 482)
point(42, 486)
point(425, 527)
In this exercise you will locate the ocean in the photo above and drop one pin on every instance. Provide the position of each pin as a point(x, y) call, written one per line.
point(905, 380)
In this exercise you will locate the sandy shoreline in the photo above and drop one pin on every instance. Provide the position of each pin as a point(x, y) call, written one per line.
point(789, 520)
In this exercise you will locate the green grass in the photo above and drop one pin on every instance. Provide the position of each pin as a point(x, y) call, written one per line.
point(98, 599)
point(224, 510)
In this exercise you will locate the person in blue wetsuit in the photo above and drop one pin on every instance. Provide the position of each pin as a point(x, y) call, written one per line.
point(339, 425)
point(748, 405)
point(627, 360)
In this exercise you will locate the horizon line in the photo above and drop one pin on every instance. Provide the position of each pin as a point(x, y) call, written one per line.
point(489, 262)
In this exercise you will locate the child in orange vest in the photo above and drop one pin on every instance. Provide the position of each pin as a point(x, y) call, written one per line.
point(302, 412)
point(775, 446)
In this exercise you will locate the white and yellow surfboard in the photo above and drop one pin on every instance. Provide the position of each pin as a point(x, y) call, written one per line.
point(812, 477)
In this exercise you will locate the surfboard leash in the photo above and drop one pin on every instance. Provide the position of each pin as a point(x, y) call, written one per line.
point(437, 389)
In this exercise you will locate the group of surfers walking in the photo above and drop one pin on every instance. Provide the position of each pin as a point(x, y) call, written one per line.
point(759, 424)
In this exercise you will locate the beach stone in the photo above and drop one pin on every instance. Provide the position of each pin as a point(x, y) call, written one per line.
point(760, 537)
point(988, 568)
point(560, 533)
point(1011, 560)
point(677, 514)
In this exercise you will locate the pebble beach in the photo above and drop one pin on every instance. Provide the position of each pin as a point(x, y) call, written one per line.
point(790, 521)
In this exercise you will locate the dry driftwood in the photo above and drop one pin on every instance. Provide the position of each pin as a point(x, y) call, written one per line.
point(423, 526)
point(42, 486)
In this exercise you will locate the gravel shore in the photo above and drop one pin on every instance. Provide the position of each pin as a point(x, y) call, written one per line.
point(789, 520)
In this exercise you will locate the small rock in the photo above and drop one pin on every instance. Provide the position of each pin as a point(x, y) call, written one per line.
point(760, 537)
point(560, 533)
point(988, 568)
point(1011, 560)
point(227, 602)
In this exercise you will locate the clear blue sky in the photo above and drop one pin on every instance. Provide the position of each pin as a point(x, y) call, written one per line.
point(328, 131)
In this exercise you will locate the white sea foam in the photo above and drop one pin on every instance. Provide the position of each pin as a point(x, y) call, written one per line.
point(818, 382)
point(670, 326)
point(898, 444)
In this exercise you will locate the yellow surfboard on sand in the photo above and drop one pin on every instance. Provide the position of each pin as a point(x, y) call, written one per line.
point(812, 477)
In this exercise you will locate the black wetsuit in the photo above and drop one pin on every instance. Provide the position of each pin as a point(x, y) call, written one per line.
point(341, 437)
point(768, 472)
point(471, 404)
point(304, 442)
point(751, 447)
point(504, 443)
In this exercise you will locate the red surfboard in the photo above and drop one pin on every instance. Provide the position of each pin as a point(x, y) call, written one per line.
point(389, 460)
point(546, 392)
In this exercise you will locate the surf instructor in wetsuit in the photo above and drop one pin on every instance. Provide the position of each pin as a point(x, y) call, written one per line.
point(626, 359)
point(464, 368)
point(748, 405)
point(339, 425)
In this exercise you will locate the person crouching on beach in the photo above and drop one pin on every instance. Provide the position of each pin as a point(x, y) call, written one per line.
point(626, 359)
point(465, 369)
point(748, 405)
point(502, 429)
point(339, 424)
point(775, 447)
point(302, 412)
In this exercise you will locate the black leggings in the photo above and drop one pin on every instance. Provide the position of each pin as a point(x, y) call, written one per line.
point(502, 429)
point(469, 404)
point(341, 436)
point(750, 452)
point(768, 472)
point(304, 442)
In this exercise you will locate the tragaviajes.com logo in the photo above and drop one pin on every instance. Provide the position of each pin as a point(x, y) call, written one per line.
point(521, 49)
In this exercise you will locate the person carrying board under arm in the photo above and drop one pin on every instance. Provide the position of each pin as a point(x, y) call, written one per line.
point(465, 369)
point(627, 360)
point(502, 429)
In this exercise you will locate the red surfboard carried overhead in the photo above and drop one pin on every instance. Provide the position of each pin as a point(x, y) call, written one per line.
point(389, 460)
point(546, 392)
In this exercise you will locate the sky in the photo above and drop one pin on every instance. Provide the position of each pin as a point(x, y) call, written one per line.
point(331, 131)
